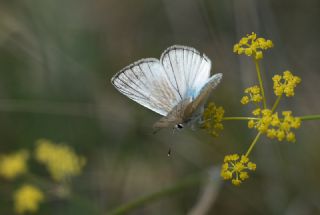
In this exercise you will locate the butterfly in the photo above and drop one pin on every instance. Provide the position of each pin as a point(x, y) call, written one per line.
point(176, 86)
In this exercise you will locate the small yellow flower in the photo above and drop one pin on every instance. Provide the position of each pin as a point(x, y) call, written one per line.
point(27, 199)
point(271, 133)
point(252, 166)
point(285, 84)
point(60, 160)
point(243, 176)
point(259, 55)
point(236, 48)
point(291, 137)
point(269, 43)
point(248, 51)
point(280, 135)
point(212, 117)
point(253, 95)
point(256, 112)
point(245, 100)
point(235, 168)
point(251, 123)
point(252, 46)
point(13, 165)
point(236, 182)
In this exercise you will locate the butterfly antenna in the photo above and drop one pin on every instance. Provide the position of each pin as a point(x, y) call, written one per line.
point(155, 130)
point(170, 149)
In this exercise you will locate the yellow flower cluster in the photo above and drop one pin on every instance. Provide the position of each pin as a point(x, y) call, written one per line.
point(274, 127)
point(13, 165)
point(235, 168)
point(27, 199)
point(253, 95)
point(285, 84)
point(212, 117)
point(60, 160)
point(252, 46)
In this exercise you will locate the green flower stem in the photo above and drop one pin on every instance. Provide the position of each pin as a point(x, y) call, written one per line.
point(310, 117)
point(276, 103)
point(52, 193)
point(177, 188)
point(239, 118)
point(253, 144)
point(45, 183)
point(261, 83)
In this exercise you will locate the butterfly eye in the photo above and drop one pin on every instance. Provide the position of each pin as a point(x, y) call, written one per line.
point(180, 126)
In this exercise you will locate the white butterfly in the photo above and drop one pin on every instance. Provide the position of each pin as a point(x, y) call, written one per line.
point(176, 86)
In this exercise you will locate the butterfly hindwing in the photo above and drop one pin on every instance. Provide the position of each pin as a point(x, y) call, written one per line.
point(205, 91)
point(189, 108)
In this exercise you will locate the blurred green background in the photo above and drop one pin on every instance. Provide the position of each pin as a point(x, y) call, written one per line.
point(56, 61)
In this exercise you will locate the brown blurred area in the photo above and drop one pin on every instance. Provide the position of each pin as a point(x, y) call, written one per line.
point(56, 61)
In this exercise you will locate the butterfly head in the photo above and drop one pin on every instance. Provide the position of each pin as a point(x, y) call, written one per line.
point(179, 126)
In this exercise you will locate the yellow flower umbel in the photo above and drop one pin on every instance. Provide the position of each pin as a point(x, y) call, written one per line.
point(267, 120)
point(13, 165)
point(285, 84)
point(60, 160)
point(212, 117)
point(252, 46)
point(27, 199)
point(236, 169)
point(274, 127)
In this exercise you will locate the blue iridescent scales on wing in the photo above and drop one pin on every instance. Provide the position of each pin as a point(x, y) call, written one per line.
point(176, 86)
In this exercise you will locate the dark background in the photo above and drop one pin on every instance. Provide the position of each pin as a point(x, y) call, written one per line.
point(56, 61)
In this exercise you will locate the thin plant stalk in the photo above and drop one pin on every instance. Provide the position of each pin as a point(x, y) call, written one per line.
point(261, 83)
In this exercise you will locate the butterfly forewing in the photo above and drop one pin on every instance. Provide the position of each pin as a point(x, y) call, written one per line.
point(202, 75)
point(176, 79)
point(146, 83)
point(186, 69)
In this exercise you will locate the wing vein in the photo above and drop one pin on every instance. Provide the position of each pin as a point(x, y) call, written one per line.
point(172, 85)
point(130, 87)
point(131, 81)
point(174, 76)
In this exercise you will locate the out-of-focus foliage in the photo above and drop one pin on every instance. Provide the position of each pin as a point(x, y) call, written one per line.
point(56, 61)
point(13, 165)
point(27, 198)
point(60, 160)
point(62, 164)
